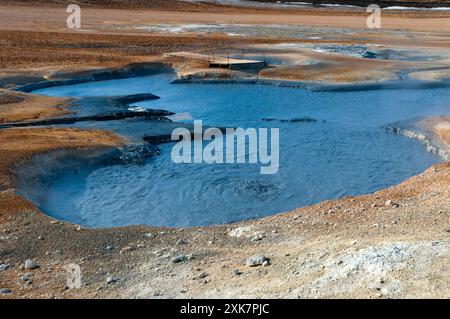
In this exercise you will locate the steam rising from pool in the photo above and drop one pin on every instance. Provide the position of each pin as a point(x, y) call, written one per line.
point(344, 152)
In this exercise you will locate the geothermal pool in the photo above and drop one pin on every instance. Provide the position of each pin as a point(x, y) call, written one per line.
point(345, 152)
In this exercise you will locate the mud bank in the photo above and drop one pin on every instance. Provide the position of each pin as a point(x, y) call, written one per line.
point(327, 87)
point(34, 175)
point(62, 78)
point(155, 115)
point(412, 129)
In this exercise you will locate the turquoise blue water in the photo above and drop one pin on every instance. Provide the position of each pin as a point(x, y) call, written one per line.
point(346, 152)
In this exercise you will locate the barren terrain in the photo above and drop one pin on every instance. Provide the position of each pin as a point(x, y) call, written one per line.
point(390, 244)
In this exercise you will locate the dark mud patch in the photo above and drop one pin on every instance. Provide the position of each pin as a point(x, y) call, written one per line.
point(304, 119)
point(9, 98)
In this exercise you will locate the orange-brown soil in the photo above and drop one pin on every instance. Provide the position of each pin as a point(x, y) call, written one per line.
point(390, 244)
point(18, 107)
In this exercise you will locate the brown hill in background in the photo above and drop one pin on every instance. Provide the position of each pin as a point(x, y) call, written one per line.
point(153, 4)
point(382, 3)
point(184, 5)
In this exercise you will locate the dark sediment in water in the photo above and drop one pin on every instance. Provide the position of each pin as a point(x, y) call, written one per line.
point(304, 119)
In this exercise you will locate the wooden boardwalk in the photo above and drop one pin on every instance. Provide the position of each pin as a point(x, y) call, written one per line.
point(215, 61)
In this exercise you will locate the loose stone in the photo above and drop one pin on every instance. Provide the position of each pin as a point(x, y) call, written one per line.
point(256, 260)
point(179, 259)
point(5, 291)
point(30, 264)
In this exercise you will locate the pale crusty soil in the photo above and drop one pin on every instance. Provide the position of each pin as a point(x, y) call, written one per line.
point(354, 247)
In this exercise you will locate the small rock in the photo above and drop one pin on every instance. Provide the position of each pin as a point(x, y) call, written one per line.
point(190, 256)
point(109, 247)
point(5, 291)
point(79, 228)
point(257, 237)
point(390, 203)
point(179, 259)
point(435, 243)
point(203, 275)
point(181, 242)
point(150, 235)
point(126, 249)
point(111, 280)
point(3, 267)
point(30, 264)
point(256, 260)
point(237, 272)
